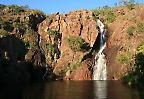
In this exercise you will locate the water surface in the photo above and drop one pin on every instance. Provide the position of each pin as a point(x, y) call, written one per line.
point(71, 90)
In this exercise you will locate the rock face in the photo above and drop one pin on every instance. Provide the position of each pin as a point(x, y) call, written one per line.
point(121, 43)
point(20, 55)
point(45, 43)
point(76, 23)
point(30, 38)
point(84, 72)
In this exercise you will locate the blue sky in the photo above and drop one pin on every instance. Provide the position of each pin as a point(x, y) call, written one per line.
point(62, 6)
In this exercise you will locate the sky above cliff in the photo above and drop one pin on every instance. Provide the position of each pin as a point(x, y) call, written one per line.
point(62, 6)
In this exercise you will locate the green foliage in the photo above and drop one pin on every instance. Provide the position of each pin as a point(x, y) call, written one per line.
point(49, 19)
point(36, 11)
point(85, 47)
point(77, 43)
point(3, 33)
point(50, 48)
point(124, 58)
point(50, 52)
point(130, 6)
point(27, 45)
point(20, 28)
point(140, 48)
point(96, 14)
point(31, 32)
point(31, 37)
point(131, 30)
point(110, 17)
point(18, 9)
point(140, 27)
point(135, 76)
point(2, 6)
point(74, 65)
point(125, 2)
point(8, 26)
point(52, 32)
point(105, 12)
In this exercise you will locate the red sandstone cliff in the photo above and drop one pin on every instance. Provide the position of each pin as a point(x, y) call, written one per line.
point(75, 23)
point(44, 40)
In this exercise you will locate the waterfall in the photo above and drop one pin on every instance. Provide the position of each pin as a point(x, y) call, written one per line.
point(99, 69)
point(42, 51)
point(46, 72)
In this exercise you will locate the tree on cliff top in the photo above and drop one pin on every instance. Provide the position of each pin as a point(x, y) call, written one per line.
point(125, 2)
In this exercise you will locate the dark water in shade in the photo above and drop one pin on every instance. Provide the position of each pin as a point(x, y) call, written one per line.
point(71, 90)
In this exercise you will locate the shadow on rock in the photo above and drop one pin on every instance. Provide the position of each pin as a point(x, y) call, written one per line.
point(13, 67)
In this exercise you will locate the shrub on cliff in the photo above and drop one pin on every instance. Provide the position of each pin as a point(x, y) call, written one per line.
point(18, 9)
point(8, 26)
point(124, 58)
point(50, 48)
point(110, 17)
point(131, 30)
point(140, 48)
point(30, 38)
point(3, 33)
point(96, 14)
point(105, 12)
point(74, 65)
point(77, 43)
point(108, 14)
point(49, 19)
point(140, 27)
point(130, 6)
point(21, 27)
point(35, 11)
point(52, 32)
point(2, 6)
point(50, 52)
point(135, 76)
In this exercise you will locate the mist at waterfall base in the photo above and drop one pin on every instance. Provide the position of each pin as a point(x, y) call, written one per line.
point(70, 90)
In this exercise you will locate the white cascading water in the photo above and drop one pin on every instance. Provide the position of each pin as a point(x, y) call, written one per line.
point(99, 70)
point(46, 66)
point(46, 72)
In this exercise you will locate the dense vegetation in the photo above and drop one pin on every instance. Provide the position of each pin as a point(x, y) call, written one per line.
point(106, 12)
point(21, 24)
point(52, 50)
point(18, 41)
point(77, 43)
point(138, 28)
point(136, 74)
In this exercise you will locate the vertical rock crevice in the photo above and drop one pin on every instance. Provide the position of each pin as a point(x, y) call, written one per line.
point(76, 23)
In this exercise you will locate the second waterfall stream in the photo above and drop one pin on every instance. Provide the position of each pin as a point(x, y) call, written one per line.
point(99, 69)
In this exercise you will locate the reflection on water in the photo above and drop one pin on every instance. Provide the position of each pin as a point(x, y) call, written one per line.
point(10, 91)
point(100, 89)
point(71, 90)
